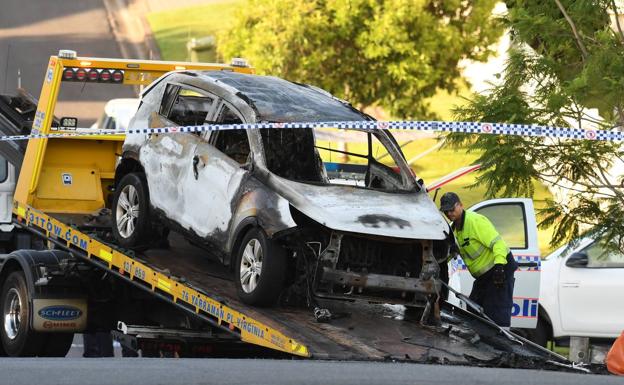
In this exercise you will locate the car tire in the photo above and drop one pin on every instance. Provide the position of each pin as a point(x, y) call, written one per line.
point(541, 334)
point(260, 269)
point(17, 337)
point(131, 222)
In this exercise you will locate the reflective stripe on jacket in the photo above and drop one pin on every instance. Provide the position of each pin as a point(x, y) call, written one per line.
point(480, 245)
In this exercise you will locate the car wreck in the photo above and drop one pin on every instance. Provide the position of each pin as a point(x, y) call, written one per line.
point(337, 212)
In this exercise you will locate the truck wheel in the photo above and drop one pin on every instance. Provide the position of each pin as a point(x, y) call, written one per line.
point(260, 269)
point(57, 345)
point(18, 339)
point(131, 222)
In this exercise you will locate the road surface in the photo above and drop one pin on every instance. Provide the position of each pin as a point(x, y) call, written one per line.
point(240, 371)
point(32, 30)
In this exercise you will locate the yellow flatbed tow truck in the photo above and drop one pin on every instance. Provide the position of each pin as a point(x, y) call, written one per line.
point(176, 300)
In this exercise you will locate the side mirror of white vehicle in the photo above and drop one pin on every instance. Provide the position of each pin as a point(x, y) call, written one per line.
point(577, 260)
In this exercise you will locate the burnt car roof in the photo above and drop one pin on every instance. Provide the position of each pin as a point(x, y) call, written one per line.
point(278, 100)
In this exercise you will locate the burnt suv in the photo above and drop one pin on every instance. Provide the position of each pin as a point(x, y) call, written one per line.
point(338, 212)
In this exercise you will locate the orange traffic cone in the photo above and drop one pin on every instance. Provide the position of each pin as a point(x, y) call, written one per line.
point(615, 358)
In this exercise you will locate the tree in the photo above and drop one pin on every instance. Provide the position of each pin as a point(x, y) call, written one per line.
point(390, 53)
point(565, 60)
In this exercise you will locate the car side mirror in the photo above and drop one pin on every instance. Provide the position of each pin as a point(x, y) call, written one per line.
point(577, 260)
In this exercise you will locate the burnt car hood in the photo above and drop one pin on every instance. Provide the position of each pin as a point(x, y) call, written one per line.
point(358, 210)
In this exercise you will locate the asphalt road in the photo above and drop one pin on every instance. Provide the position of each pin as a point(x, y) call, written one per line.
point(256, 372)
point(32, 30)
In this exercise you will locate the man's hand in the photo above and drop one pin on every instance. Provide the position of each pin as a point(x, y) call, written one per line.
point(499, 276)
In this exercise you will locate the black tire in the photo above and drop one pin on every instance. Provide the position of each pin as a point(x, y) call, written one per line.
point(139, 234)
point(22, 340)
point(270, 280)
point(542, 333)
point(56, 344)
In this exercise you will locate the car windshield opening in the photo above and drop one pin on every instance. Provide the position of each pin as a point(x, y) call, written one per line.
point(333, 156)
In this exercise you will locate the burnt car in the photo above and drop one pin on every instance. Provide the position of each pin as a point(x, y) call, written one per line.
point(337, 212)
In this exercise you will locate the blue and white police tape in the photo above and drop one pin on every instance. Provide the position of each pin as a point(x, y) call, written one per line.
point(459, 127)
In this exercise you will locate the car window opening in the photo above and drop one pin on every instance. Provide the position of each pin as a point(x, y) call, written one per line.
point(234, 143)
point(331, 156)
point(290, 154)
point(190, 108)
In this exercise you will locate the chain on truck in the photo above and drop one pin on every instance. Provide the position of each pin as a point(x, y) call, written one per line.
point(68, 275)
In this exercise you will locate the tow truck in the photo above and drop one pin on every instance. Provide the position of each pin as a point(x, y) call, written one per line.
point(73, 278)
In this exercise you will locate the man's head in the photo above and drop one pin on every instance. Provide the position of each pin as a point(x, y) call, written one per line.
point(451, 206)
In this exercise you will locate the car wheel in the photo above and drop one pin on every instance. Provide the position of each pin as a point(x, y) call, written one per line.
point(541, 334)
point(260, 269)
point(131, 222)
point(18, 338)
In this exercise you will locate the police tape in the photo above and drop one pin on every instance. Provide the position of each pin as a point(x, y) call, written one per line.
point(529, 130)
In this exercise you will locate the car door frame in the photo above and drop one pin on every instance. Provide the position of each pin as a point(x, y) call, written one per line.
point(173, 141)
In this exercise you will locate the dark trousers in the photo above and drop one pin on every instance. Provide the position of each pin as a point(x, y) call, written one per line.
point(496, 302)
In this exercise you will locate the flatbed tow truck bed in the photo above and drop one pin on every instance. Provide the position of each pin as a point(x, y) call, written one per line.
point(53, 207)
point(190, 279)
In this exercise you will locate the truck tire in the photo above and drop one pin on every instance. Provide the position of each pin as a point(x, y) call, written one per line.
point(56, 344)
point(260, 269)
point(18, 338)
point(131, 222)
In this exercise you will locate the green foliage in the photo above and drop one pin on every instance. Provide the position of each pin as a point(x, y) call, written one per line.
point(389, 53)
point(558, 69)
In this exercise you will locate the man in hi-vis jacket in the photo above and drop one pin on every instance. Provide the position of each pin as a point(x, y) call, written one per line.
point(487, 257)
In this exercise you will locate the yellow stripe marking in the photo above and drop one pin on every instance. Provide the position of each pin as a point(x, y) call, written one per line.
point(164, 285)
point(105, 255)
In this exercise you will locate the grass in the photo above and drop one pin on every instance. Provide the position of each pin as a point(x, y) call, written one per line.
point(174, 28)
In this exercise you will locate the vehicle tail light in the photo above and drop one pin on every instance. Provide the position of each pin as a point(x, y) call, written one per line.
point(81, 74)
point(68, 74)
point(105, 76)
point(93, 75)
point(118, 76)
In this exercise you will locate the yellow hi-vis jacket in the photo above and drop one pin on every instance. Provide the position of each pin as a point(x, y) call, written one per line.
point(480, 245)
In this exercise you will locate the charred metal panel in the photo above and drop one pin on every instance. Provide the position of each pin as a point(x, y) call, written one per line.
point(255, 200)
point(346, 208)
point(278, 100)
point(379, 281)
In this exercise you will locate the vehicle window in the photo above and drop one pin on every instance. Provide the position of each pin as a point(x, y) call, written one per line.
point(290, 154)
point(599, 255)
point(190, 108)
point(4, 169)
point(167, 100)
point(510, 222)
point(228, 116)
point(110, 123)
point(332, 156)
point(233, 143)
